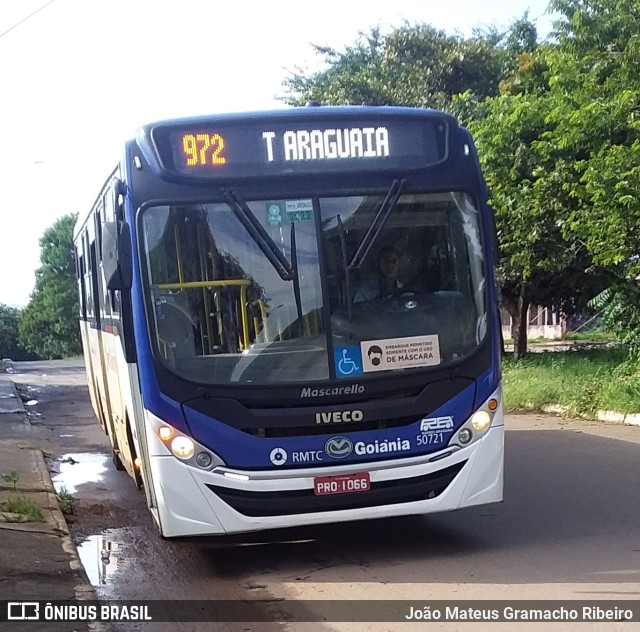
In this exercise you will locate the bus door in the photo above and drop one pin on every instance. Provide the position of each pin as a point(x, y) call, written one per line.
point(115, 364)
point(84, 292)
point(94, 338)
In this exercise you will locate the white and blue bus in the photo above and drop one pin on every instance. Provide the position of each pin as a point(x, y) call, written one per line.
point(289, 318)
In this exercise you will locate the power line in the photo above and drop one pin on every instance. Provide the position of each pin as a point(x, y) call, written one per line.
point(25, 19)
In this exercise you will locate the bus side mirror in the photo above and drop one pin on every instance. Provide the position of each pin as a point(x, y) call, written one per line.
point(116, 255)
point(494, 237)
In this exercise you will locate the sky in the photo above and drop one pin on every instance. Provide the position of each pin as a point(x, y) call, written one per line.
point(77, 78)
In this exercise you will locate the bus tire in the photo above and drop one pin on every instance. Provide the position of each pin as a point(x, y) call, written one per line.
point(137, 475)
point(102, 418)
point(115, 457)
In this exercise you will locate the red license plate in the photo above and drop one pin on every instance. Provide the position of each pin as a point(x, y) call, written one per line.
point(341, 484)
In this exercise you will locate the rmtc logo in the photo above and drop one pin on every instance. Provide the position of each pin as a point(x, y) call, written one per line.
point(436, 423)
point(339, 417)
point(338, 447)
point(278, 456)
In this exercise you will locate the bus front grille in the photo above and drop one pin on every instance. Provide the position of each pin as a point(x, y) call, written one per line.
point(290, 502)
point(303, 431)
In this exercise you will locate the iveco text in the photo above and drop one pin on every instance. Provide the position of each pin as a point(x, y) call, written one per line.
point(339, 417)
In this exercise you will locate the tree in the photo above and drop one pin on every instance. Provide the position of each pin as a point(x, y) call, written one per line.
point(9, 344)
point(527, 176)
point(596, 72)
point(351, 77)
point(561, 153)
point(414, 65)
point(595, 90)
point(49, 324)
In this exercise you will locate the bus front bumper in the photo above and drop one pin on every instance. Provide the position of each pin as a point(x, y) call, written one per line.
point(191, 501)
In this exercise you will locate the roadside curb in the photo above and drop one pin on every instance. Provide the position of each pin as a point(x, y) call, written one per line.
point(10, 400)
point(83, 591)
point(607, 416)
point(11, 403)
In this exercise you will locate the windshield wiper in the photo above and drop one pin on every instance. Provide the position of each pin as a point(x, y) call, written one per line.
point(260, 235)
point(347, 270)
point(296, 277)
point(377, 224)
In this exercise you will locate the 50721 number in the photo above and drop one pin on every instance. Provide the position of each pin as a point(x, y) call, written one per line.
point(428, 439)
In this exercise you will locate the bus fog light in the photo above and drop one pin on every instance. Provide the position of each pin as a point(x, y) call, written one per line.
point(203, 459)
point(182, 447)
point(464, 436)
point(481, 420)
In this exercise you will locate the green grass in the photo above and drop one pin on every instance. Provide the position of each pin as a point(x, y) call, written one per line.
point(11, 477)
point(20, 509)
point(572, 336)
point(591, 336)
point(582, 381)
point(66, 502)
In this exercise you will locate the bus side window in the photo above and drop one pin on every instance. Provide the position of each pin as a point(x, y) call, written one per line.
point(81, 280)
point(88, 284)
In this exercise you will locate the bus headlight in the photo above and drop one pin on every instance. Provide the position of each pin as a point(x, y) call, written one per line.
point(182, 447)
point(481, 420)
point(478, 424)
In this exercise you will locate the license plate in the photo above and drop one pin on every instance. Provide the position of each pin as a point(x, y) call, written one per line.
point(341, 484)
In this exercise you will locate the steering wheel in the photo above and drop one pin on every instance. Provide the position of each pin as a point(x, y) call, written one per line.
point(401, 291)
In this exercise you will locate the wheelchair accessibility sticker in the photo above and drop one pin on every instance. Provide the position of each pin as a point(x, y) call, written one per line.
point(348, 361)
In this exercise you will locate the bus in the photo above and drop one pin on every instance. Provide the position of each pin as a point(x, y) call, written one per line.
point(289, 318)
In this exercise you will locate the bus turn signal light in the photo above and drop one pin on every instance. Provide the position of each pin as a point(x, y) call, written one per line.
point(165, 433)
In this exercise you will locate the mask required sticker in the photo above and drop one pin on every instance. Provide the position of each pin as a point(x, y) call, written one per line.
point(400, 353)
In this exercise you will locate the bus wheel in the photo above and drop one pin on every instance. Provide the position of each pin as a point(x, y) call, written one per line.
point(115, 457)
point(132, 450)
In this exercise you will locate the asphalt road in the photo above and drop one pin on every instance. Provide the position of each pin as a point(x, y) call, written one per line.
point(568, 528)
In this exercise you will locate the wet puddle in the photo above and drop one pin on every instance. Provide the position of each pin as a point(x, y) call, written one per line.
point(101, 556)
point(76, 469)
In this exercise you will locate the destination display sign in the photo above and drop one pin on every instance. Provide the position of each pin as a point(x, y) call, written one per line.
point(279, 147)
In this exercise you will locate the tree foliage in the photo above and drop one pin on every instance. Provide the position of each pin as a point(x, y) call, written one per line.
point(595, 90)
point(415, 65)
point(596, 109)
point(619, 306)
point(560, 150)
point(49, 324)
point(527, 174)
point(9, 337)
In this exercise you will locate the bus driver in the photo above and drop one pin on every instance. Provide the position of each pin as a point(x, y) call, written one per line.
point(387, 279)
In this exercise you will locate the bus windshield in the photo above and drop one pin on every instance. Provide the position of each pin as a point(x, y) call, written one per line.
point(307, 289)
